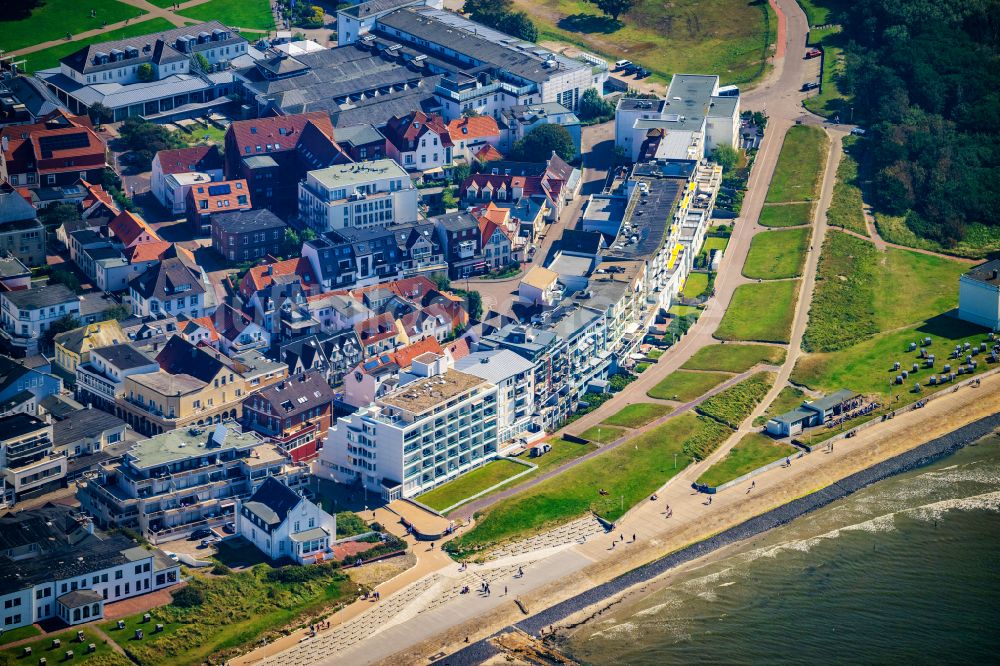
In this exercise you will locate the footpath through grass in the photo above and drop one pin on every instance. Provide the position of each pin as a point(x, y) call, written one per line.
point(800, 165)
point(735, 404)
point(777, 254)
point(760, 312)
point(734, 358)
point(638, 414)
point(786, 215)
point(730, 37)
point(253, 14)
point(845, 209)
point(628, 474)
point(216, 617)
point(459, 489)
point(50, 57)
point(684, 386)
point(54, 18)
point(752, 452)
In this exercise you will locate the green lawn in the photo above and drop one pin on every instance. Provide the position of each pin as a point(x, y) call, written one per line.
point(829, 101)
point(867, 366)
point(695, 285)
point(470, 483)
point(655, 354)
point(728, 37)
point(930, 288)
point(685, 386)
point(822, 12)
point(734, 358)
point(235, 610)
point(562, 451)
point(50, 57)
point(19, 634)
point(254, 14)
point(203, 135)
point(846, 205)
point(788, 399)
point(54, 18)
point(164, 3)
point(103, 655)
point(684, 310)
point(714, 243)
point(777, 254)
point(786, 215)
point(638, 414)
point(602, 434)
point(800, 165)
point(760, 312)
point(628, 474)
point(735, 404)
point(752, 452)
point(980, 240)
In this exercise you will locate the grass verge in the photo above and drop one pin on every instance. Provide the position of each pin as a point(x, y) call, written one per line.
point(734, 358)
point(602, 434)
point(472, 482)
point(54, 18)
point(50, 57)
point(19, 634)
point(685, 386)
point(732, 406)
point(829, 101)
point(638, 414)
point(253, 14)
point(760, 312)
point(845, 209)
point(777, 254)
point(628, 474)
point(103, 655)
point(800, 165)
point(786, 215)
point(695, 285)
point(752, 452)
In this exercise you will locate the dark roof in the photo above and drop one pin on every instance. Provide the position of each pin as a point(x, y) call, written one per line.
point(367, 9)
point(359, 135)
point(83, 422)
point(988, 273)
point(290, 397)
point(86, 556)
point(41, 297)
point(47, 525)
point(13, 207)
point(16, 425)
point(180, 357)
point(10, 371)
point(15, 400)
point(244, 221)
point(196, 158)
point(456, 221)
point(272, 501)
point(167, 279)
point(77, 598)
point(581, 242)
point(124, 357)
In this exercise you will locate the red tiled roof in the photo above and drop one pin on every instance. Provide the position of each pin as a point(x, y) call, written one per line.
point(404, 357)
point(97, 194)
point(488, 153)
point(261, 277)
point(377, 328)
point(476, 127)
point(530, 185)
point(24, 146)
point(403, 129)
point(147, 251)
point(206, 323)
point(458, 349)
point(196, 158)
point(128, 227)
point(282, 132)
point(218, 198)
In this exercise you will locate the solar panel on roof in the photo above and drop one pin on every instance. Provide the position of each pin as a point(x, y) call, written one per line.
point(217, 190)
point(49, 144)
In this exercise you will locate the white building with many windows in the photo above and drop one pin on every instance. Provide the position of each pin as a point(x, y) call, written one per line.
point(365, 195)
point(28, 313)
point(283, 524)
point(425, 433)
point(514, 378)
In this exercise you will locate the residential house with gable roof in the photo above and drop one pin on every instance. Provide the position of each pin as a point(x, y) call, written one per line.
point(419, 142)
point(294, 413)
point(56, 152)
point(21, 234)
point(130, 229)
point(470, 134)
point(73, 347)
point(174, 171)
point(205, 200)
point(283, 524)
point(170, 287)
point(259, 278)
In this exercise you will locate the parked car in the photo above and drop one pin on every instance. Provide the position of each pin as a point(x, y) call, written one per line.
point(630, 70)
point(812, 85)
point(813, 53)
point(621, 64)
point(200, 533)
point(210, 540)
point(642, 73)
point(857, 131)
point(172, 556)
point(229, 528)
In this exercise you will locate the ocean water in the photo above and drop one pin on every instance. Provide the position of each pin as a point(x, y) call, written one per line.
point(906, 571)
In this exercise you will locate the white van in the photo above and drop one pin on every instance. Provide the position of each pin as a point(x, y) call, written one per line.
point(622, 64)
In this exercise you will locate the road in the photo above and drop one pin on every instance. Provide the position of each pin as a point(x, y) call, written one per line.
point(426, 615)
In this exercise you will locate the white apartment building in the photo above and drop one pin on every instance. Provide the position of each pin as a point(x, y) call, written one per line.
point(53, 565)
point(28, 313)
point(283, 524)
point(101, 380)
point(171, 484)
point(514, 378)
point(364, 195)
point(425, 433)
point(27, 460)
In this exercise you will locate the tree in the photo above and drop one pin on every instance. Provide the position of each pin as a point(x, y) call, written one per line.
point(15, 10)
point(539, 144)
point(65, 277)
point(145, 139)
point(100, 114)
point(145, 71)
point(55, 215)
point(593, 106)
point(470, 113)
point(725, 156)
point(201, 62)
point(614, 8)
point(474, 305)
point(118, 312)
point(518, 25)
point(500, 14)
point(460, 173)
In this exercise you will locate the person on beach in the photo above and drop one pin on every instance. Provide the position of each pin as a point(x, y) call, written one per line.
point(633, 538)
point(788, 462)
point(709, 499)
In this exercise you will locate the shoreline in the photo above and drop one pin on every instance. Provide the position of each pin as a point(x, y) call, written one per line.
point(614, 591)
